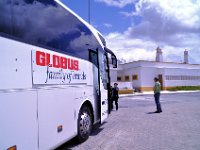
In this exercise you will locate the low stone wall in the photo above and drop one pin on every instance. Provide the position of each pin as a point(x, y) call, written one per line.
point(126, 91)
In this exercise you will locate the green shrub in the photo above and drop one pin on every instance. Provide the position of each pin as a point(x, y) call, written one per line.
point(184, 88)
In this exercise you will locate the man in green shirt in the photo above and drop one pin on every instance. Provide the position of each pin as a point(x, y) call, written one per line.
point(156, 89)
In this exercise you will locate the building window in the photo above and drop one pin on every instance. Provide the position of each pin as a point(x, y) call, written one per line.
point(135, 77)
point(182, 77)
point(127, 78)
point(119, 78)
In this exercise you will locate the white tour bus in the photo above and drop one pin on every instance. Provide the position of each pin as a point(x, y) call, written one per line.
point(54, 75)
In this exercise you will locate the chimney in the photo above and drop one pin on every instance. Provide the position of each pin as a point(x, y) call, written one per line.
point(159, 57)
point(185, 57)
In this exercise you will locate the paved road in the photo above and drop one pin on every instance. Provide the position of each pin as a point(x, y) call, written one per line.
point(134, 127)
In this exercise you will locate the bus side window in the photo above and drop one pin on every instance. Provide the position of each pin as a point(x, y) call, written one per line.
point(103, 69)
point(49, 25)
point(5, 17)
point(93, 57)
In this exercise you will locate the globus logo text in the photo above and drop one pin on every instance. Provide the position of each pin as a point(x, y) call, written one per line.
point(46, 59)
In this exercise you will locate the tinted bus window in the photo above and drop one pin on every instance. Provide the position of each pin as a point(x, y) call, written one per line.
point(5, 17)
point(45, 23)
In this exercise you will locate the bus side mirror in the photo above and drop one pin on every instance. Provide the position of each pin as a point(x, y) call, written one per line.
point(114, 61)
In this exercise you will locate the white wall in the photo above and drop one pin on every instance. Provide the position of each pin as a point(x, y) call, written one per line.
point(137, 83)
point(130, 72)
point(113, 75)
point(182, 72)
point(123, 85)
point(147, 70)
point(147, 76)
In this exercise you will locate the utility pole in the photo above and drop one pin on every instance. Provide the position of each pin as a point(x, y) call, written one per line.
point(89, 11)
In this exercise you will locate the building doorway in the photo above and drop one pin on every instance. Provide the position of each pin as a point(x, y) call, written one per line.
point(160, 78)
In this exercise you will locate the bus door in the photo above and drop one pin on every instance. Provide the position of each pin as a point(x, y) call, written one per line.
point(93, 57)
point(100, 73)
point(109, 93)
point(104, 87)
point(110, 61)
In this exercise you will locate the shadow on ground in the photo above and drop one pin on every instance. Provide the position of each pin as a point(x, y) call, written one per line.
point(153, 113)
point(150, 113)
point(73, 142)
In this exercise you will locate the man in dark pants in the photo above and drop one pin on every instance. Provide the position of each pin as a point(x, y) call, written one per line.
point(115, 95)
point(157, 88)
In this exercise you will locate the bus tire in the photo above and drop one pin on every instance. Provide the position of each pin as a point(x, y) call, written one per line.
point(84, 123)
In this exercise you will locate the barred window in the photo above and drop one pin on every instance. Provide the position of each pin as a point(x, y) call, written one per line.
point(181, 77)
point(127, 78)
point(119, 78)
point(135, 77)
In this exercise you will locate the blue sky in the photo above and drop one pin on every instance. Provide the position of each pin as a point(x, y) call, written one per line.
point(133, 29)
point(105, 18)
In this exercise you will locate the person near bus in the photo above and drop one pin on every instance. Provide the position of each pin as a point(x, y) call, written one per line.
point(115, 95)
point(157, 88)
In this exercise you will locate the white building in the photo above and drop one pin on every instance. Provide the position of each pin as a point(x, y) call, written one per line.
point(140, 74)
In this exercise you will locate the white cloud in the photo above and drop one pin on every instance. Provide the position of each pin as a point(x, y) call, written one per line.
point(107, 25)
point(130, 49)
point(172, 25)
point(128, 14)
point(186, 12)
point(117, 3)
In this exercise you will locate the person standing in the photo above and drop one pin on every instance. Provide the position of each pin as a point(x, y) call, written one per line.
point(111, 98)
point(115, 95)
point(156, 89)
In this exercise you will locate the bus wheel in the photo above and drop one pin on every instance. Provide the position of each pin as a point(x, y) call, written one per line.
point(84, 124)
